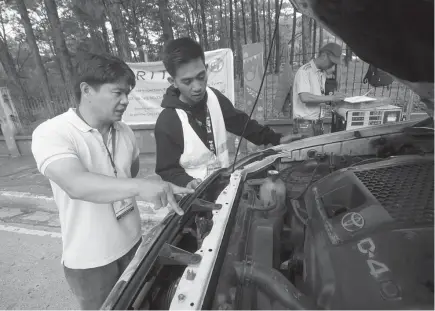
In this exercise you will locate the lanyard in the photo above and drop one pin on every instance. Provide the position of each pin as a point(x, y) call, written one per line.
point(210, 136)
point(111, 156)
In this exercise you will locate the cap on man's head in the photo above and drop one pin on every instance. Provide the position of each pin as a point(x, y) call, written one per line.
point(334, 51)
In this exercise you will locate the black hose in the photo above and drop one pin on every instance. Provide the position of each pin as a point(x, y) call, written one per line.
point(274, 284)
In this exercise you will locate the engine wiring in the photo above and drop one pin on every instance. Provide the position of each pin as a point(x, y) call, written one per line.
point(261, 85)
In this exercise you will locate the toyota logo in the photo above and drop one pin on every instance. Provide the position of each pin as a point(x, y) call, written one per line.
point(352, 222)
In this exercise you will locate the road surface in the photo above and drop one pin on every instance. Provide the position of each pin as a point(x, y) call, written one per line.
point(31, 275)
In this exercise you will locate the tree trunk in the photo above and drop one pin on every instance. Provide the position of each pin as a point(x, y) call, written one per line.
point(264, 31)
point(106, 39)
point(310, 37)
point(213, 44)
point(257, 14)
point(292, 48)
point(97, 42)
point(204, 25)
point(226, 23)
point(114, 13)
point(253, 23)
point(137, 38)
point(305, 38)
point(53, 51)
point(269, 19)
point(189, 20)
point(9, 66)
point(168, 33)
point(31, 40)
point(197, 20)
point(277, 39)
point(244, 22)
point(314, 38)
point(61, 48)
point(231, 26)
point(222, 36)
point(239, 57)
point(320, 37)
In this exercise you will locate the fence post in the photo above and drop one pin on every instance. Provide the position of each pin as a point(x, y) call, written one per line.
point(9, 121)
point(409, 106)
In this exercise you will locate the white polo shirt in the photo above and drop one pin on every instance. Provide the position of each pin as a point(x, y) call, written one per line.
point(91, 234)
point(308, 79)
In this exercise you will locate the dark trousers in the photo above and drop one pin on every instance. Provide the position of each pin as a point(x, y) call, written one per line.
point(309, 128)
point(92, 286)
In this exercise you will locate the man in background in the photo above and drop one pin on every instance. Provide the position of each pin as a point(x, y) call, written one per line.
point(309, 91)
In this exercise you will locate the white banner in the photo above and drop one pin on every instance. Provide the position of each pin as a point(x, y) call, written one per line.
point(151, 84)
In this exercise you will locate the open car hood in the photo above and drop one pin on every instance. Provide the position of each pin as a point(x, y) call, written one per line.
point(396, 36)
point(380, 34)
point(225, 188)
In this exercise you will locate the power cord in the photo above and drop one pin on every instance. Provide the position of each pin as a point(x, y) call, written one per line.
point(261, 85)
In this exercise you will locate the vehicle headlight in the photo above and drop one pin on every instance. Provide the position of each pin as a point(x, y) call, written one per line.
point(391, 116)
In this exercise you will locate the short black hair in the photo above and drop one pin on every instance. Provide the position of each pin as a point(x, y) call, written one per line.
point(181, 51)
point(99, 69)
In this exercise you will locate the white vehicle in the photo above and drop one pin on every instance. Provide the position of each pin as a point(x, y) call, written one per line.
point(338, 221)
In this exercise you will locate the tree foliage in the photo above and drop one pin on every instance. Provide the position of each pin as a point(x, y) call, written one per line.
point(38, 51)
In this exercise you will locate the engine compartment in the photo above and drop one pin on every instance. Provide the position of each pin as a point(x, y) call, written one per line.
point(349, 233)
point(333, 231)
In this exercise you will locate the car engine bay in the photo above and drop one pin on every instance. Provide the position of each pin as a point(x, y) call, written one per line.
point(334, 231)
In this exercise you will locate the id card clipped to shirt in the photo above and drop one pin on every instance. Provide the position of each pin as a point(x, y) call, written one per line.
point(123, 207)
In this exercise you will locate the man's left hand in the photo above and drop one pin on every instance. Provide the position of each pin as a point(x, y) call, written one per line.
point(291, 137)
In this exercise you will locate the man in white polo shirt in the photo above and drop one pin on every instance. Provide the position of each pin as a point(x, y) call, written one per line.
point(309, 91)
point(91, 159)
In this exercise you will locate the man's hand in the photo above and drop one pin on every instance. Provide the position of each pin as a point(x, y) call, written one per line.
point(193, 184)
point(291, 137)
point(162, 194)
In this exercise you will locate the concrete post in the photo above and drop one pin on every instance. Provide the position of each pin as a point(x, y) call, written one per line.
point(8, 118)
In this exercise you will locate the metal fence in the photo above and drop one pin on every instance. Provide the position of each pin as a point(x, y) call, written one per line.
point(350, 77)
point(35, 109)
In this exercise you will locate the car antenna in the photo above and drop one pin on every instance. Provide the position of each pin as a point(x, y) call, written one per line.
point(261, 85)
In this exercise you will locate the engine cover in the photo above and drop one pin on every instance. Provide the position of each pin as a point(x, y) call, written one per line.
point(369, 241)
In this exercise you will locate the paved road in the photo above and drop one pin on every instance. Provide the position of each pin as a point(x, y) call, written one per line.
point(31, 275)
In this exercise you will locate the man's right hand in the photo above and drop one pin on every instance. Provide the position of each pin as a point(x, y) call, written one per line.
point(161, 193)
point(337, 98)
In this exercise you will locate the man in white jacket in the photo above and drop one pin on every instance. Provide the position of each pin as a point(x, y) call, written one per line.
point(191, 131)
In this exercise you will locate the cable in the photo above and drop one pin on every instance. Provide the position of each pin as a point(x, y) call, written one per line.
point(308, 184)
point(261, 85)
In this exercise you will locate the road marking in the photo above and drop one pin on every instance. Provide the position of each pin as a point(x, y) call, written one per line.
point(25, 195)
point(30, 231)
point(146, 206)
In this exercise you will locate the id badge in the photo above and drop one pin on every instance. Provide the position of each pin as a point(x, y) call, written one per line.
point(123, 207)
point(211, 168)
